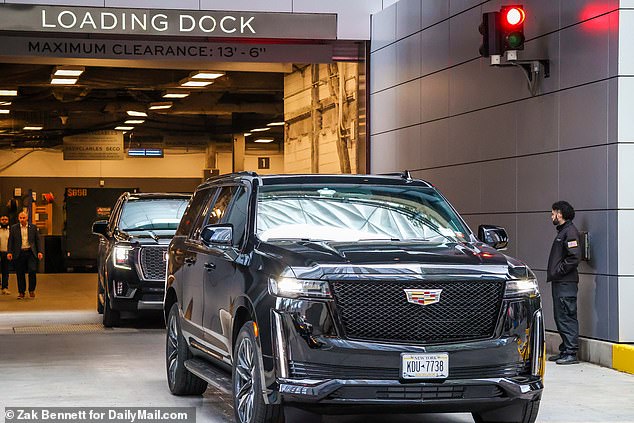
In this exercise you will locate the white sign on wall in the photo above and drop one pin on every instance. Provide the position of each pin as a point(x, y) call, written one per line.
point(100, 145)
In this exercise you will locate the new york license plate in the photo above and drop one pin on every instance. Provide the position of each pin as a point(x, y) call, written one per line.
point(425, 366)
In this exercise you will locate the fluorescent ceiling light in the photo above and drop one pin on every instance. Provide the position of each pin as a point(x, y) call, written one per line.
point(260, 129)
point(247, 134)
point(124, 128)
point(161, 106)
point(69, 71)
point(207, 75)
point(5, 103)
point(4, 111)
point(134, 122)
point(8, 93)
point(276, 124)
point(33, 128)
point(264, 140)
point(137, 114)
point(196, 83)
point(175, 94)
point(63, 81)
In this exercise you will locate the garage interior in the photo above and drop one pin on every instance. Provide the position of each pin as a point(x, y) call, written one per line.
point(180, 124)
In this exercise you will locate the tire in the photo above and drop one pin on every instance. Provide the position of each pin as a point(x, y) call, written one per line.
point(110, 316)
point(248, 400)
point(180, 380)
point(526, 413)
point(99, 292)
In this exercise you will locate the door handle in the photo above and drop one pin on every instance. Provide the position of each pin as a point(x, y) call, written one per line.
point(189, 260)
point(209, 266)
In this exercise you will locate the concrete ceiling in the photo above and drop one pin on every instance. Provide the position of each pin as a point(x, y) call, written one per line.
point(235, 103)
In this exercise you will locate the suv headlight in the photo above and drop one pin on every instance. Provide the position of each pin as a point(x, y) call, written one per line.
point(523, 283)
point(121, 256)
point(294, 288)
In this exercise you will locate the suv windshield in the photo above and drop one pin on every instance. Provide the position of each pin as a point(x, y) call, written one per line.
point(152, 214)
point(349, 213)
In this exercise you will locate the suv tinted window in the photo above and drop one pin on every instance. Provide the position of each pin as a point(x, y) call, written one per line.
point(219, 208)
point(193, 210)
point(238, 216)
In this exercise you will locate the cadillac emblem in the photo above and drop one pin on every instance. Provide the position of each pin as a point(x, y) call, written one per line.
point(423, 296)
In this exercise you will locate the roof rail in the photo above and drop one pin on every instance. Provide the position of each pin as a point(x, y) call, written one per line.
point(404, 174)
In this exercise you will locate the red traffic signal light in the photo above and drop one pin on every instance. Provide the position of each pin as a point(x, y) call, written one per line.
point(514, 16)
point(512, 27)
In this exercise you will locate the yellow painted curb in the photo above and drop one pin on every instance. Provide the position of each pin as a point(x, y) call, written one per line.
point(623, 357)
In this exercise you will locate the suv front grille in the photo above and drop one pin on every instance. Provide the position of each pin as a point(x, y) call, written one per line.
point(153, 263)
point(379, 311)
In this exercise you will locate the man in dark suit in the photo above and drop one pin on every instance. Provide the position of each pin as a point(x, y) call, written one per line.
point(25, 248)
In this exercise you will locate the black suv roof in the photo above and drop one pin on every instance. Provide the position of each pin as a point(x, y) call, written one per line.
point(155, 195)
point(387, 179)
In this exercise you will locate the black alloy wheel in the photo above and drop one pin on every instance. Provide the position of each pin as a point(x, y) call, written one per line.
point(180, 380)
point(248, 399)
point(110, 316)
point(99, 294)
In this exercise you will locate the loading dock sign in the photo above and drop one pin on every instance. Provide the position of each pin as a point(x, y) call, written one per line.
point(195, 23)
point(100, 145)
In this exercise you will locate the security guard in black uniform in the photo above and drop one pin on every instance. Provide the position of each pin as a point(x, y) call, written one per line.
point(562, 273)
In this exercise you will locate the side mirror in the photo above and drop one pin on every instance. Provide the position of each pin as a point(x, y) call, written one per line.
point(100, 227)
point(493, 236)
point(217, 235)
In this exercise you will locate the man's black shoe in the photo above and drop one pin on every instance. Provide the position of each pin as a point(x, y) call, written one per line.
point(568, 359)
point(555, 357)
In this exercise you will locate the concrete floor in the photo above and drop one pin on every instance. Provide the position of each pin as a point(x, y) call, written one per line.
point(50, 357)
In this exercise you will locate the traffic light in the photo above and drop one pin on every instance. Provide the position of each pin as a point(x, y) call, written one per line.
point(490, 34)
point(512, 27)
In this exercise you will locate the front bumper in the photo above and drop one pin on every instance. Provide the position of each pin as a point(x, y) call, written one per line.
point(130, 293)
point(313, 367)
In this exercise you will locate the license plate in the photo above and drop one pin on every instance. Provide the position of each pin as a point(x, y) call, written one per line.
point(425, 366)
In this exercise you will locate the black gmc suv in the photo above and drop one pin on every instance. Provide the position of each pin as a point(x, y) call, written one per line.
point(132, 249)
point(349, 294)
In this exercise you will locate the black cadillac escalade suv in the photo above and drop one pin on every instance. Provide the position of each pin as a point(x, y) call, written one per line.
point(349, 294)
point(132, 249)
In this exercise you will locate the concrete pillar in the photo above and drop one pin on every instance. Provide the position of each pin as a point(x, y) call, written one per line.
point(239, 147)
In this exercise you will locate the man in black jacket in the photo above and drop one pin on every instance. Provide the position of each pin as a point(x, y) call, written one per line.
point(562, 273)
point(25, 247)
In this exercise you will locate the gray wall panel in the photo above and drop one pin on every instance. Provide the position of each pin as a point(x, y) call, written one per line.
point(434, 92)
point(409, 147)
point(538, 124)
point(580, 10)
point(465, 38)
point(465, 133)
point(461, 185)
point(590, 63)
point(500, 131)
point(535, 232)
point(352, 22)
point(597, 224)
point(583, 122)
point(383, 117)
point(408, 17)
point(95, 3)
point(383, 28)
point(434, 11)
point(537, 186)
point(383, 157)
point(434, 146)
point(435, 47)
point(408, 58)
point(583, 177)
point(408, 101)
point(487, 130)
point(382, 69)
point(457, 6)
point(499, 186)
